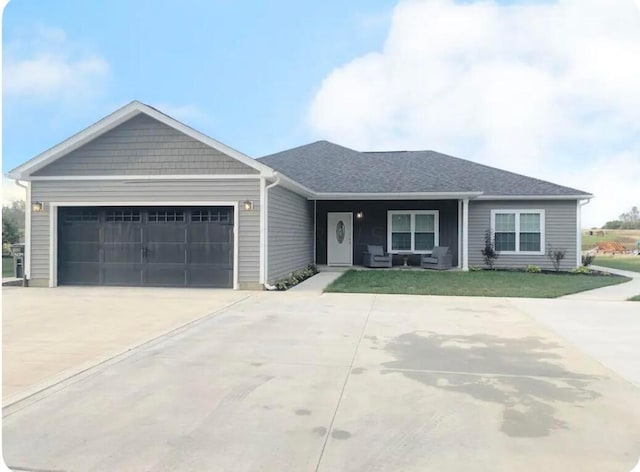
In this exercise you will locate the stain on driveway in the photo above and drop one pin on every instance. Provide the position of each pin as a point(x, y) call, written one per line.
point(521, 374)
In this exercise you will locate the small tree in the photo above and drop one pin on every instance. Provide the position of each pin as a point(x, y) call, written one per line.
point(556, 256)
point(10, 232)
point(489, 252)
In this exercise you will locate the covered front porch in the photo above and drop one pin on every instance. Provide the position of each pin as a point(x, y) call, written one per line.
point(406, 229)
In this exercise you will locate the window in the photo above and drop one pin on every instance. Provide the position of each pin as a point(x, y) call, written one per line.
point(161, 216)
point(222, 215)
point(81, 215)
point(120, 216)
point(412, 231)
point(518, 231)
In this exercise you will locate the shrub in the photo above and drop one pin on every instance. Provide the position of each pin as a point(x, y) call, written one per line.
point(533, 269)
point(489, 252)
point(587, 259)
point(475, 268)
point(581, 270)
point(296, 277)
point(556, 256)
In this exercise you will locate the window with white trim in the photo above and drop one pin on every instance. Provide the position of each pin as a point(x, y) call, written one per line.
point(412, 231)
point(518, 231)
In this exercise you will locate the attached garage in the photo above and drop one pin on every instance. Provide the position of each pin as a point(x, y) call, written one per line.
point(140, 199)
point(146, 246)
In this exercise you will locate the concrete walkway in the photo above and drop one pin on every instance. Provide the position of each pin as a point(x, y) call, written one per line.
point(12, 281)
point(618, 292)
point(315, 284)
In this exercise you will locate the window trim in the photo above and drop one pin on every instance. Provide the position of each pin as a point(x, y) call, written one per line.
point(413, 213)
point(517, 214)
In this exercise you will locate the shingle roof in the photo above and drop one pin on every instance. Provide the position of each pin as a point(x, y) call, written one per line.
point(326, 167)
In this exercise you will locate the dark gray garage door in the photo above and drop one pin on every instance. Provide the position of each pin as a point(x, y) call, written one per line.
point(163, 247)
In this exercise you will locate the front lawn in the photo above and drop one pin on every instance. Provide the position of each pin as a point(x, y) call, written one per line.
point(483, 283)
point(631, 263)
point(635, 299)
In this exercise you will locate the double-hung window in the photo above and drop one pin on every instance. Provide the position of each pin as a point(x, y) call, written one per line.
point(414, 231)
point(518, 231)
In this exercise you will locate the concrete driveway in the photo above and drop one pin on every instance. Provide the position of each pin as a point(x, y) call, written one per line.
point(338, 383)
point(50, 334)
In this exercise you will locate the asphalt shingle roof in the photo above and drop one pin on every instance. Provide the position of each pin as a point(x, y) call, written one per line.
point(326, 167)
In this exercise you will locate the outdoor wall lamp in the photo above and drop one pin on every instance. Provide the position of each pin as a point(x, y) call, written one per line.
point(359, 216)
point(248, 205)
point(37, 206)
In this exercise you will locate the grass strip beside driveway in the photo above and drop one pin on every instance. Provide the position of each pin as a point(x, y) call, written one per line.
point(482, 284)
point(631, 263)
point(635, 299)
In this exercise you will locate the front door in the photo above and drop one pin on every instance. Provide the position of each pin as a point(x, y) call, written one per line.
point(339, 237)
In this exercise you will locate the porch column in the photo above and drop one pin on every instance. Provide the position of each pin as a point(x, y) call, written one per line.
point(460, 234)
point(465, 234)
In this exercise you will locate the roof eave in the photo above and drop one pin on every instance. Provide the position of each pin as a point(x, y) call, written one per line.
point(395, 195)
point(537, 197)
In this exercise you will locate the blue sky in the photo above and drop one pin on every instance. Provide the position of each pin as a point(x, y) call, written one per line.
point(545, 88)
point(242, 72)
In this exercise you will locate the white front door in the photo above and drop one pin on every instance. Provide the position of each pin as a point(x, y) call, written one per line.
point(339, 236)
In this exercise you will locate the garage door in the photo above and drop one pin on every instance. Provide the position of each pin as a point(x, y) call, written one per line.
point(162, 247)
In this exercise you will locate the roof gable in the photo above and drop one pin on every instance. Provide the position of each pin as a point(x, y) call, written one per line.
point(144, 146)
point(114, 120)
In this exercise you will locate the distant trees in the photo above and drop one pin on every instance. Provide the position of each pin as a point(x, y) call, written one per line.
point(628, 220)
point(13, 222)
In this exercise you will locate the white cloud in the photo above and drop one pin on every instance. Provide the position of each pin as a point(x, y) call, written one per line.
point(11, 192)
point(546, 89)
point(50, 67)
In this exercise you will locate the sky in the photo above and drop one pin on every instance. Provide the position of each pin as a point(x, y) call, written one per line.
point(545, 88)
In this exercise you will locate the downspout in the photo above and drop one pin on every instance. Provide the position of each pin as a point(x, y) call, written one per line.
point(26, 267)
point(579, 232)
point(266, 232)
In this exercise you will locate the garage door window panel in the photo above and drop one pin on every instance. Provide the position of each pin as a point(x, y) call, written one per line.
point(165, 216)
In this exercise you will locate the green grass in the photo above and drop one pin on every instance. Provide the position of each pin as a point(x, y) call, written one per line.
point(635, 299)
point(7, 266)
point(631, 263)
point(483, 283)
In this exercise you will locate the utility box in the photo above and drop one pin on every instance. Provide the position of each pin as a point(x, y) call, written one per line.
point(17, 250)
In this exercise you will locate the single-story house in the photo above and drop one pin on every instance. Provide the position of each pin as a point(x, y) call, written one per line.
point(139, 198)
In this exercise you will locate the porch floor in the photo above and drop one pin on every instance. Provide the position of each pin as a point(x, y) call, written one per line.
point(326, 268)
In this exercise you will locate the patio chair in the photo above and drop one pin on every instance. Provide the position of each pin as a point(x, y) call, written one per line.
point(440, 259)
point(375, 256)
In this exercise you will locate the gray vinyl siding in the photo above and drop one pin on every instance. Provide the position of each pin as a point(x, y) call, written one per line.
point(148, 192)
point(144, 146)
point(290, 233)
point(560, 232)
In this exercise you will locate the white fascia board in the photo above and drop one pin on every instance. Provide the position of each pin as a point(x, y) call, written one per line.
point(144, 178)
point(397, 196)
point(291, 184)
point(534, 197)
point(116, 118)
